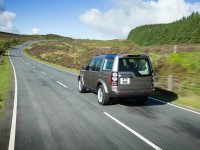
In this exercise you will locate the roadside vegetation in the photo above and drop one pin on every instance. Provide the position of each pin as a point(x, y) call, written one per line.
point(184, 31)
point(175, 58)
point(5, 72)
point(179, 62)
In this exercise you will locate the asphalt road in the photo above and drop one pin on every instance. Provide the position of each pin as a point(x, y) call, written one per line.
point(52, 114)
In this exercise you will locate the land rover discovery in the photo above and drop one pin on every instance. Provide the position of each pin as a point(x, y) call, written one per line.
point(114, 75)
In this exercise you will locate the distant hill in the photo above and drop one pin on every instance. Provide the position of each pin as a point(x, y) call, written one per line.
point(184, 31)
point(21, 37)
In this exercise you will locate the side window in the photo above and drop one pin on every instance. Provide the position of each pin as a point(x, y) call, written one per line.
point(91, 64)
point(97, 65)
point(108, 65)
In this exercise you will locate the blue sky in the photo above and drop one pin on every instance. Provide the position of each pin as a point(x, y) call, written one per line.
point(89, 19)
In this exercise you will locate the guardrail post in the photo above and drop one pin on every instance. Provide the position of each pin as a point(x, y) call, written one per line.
point(170, 80)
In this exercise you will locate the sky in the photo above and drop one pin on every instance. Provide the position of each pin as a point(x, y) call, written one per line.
point(89, 19)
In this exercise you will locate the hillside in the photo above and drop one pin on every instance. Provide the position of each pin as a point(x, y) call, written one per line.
point(21, 37)
point(184, 31)
point(77, 53)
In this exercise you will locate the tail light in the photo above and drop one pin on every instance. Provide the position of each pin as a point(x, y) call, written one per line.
point(114, 79)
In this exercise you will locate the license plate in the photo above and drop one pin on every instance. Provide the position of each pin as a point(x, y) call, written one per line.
point(124, 80)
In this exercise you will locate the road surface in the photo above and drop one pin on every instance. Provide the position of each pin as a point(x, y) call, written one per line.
point(52, 114)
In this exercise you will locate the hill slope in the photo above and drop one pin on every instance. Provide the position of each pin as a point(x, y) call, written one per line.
point(184, 31)
point(21, 37)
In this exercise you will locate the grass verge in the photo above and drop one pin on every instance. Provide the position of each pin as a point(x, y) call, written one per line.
point(5, 80)
point(189, 101)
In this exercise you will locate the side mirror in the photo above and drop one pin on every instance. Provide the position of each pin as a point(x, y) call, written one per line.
point(85, 68)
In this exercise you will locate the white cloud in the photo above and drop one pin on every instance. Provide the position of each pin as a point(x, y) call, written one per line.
point(128, 14)
point(6, 19)
point(35, 31)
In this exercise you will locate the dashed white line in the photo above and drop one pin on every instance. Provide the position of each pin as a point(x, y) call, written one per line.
point(77, 75)
point(62, 84)
point(43, 72)
point(27, 63)
point(33, 67)
point(134, 132)
point(14, 116)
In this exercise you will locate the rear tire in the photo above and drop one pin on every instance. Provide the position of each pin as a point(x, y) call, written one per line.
point(81, 87)
point(102, 97)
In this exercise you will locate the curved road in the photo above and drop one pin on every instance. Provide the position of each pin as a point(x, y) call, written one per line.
point(52, 114)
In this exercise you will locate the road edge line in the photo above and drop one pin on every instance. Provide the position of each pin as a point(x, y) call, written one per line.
point(133, 132)
point(14, 116)
point(177, 106)
point(174, 105)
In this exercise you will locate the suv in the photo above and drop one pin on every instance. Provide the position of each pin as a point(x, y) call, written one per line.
point(113, 75)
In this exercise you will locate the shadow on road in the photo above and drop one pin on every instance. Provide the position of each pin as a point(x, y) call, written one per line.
point(131, 102)
point(164, 95)
point(160, 94)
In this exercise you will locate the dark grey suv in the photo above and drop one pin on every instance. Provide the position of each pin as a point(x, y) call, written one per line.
point(113, 75)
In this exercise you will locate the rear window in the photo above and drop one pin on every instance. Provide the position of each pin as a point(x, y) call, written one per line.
point(140, 66)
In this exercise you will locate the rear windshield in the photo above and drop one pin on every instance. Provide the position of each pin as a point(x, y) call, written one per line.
point(140, 66)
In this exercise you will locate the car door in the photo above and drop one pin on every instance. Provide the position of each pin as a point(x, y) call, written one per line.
point(87, 74)
point(95, 73)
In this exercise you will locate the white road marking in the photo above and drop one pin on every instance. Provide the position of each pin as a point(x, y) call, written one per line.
point(14, 116)
point(176, 106)
point(33, 67)
point(62, 84)
point(43, 72)
point(77, 75)
point(134, 132)
point(47, 64)
point(27, 63)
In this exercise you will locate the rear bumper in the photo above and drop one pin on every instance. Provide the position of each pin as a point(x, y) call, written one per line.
point(147, 92)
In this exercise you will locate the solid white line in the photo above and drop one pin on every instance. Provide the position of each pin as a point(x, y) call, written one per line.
point(77, 75)
point(14, 116)
point(134, 132)
point(43, 72)
point(176, 106)
point(62, 84)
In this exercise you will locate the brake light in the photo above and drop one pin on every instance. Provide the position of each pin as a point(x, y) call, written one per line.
point(114, 79)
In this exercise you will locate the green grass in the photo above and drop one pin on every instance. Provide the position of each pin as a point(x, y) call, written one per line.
point(5, 80)
point(187, 60)
point(183, 65)
point(189, 101)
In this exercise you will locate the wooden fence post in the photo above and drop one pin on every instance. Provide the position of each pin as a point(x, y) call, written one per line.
point(170, 84)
